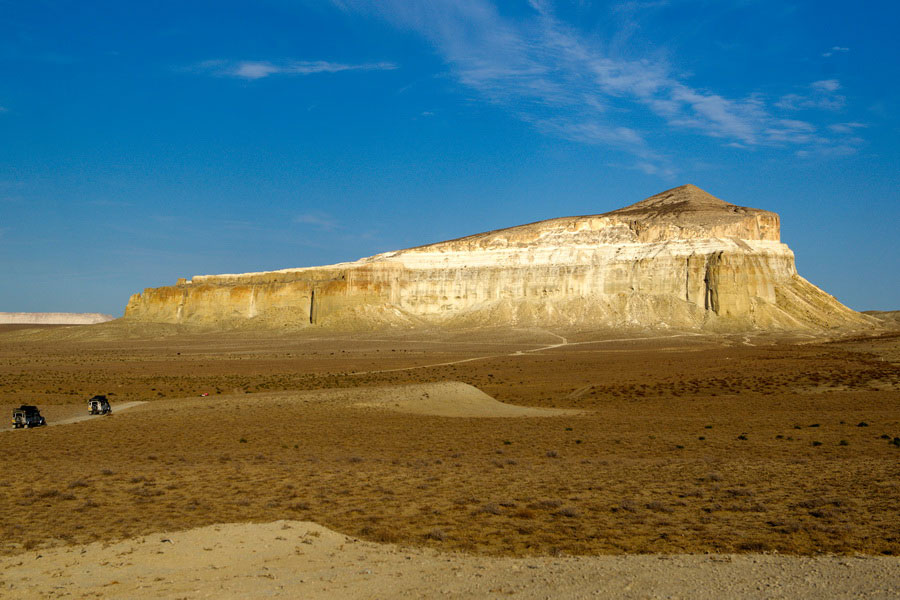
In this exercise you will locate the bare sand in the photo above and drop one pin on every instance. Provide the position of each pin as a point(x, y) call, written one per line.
point(449, 399)
point(296, 559)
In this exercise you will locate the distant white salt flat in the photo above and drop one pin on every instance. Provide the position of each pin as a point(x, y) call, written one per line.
point(54, 318)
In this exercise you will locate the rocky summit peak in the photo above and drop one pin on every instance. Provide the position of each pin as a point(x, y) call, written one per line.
point(685, 212)
point(685, 198)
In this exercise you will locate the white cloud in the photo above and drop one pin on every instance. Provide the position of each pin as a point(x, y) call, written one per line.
point(251, 69)
point(846, 127)
point(791, 131)
point(821, 96)
point(834, 50)
point(827, 85)
point(572, 85)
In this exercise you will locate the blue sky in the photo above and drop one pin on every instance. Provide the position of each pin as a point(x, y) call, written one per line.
point(142, 142)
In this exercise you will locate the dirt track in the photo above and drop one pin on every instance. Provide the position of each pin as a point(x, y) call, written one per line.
point(68, 415)
point(116, 409)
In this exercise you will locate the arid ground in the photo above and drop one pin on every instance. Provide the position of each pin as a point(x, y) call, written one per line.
point(676, 443)
point(527, 446)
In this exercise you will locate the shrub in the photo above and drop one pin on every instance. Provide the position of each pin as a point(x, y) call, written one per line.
point(385, 536)
point(490, 508)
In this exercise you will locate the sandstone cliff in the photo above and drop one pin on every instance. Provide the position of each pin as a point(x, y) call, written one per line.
point(682, 259)
point(21, 318)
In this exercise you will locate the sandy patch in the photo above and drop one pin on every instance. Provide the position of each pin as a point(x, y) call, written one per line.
point(450, 399)
point(293, 559)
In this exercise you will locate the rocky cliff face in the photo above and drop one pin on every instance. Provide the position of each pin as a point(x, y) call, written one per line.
point(682, 258)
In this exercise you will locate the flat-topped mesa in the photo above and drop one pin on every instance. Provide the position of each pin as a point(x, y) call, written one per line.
point(682, 258)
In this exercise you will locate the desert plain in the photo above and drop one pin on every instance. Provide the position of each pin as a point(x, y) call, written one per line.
point(490, 447)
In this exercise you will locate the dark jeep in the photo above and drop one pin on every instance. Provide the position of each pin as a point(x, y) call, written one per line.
point(99, 405)
point(27, 416)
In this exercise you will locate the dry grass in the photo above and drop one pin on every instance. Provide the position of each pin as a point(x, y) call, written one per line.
point(656, 463)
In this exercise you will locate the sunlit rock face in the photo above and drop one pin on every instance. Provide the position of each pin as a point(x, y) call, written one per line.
point(680, 259)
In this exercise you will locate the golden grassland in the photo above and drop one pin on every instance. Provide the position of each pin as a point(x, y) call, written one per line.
point(684, 444)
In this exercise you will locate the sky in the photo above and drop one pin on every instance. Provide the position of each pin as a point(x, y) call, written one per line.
point(143, 142)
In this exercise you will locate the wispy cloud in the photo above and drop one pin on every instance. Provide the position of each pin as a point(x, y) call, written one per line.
point(572, 85)
point(846, 127)
point(820, 95)
point(318, 220)
point(835, 50)
point(826, 85)
point(252, 69)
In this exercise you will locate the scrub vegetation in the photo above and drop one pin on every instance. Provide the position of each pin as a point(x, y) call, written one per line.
point(683, 444)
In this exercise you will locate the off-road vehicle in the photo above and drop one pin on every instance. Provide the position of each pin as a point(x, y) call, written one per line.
point(27, 416)
point(99, 405)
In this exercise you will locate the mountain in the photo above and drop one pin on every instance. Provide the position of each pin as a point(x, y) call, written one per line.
point(681, 259)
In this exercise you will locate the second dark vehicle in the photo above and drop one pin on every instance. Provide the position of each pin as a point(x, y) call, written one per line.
point(99, 405)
